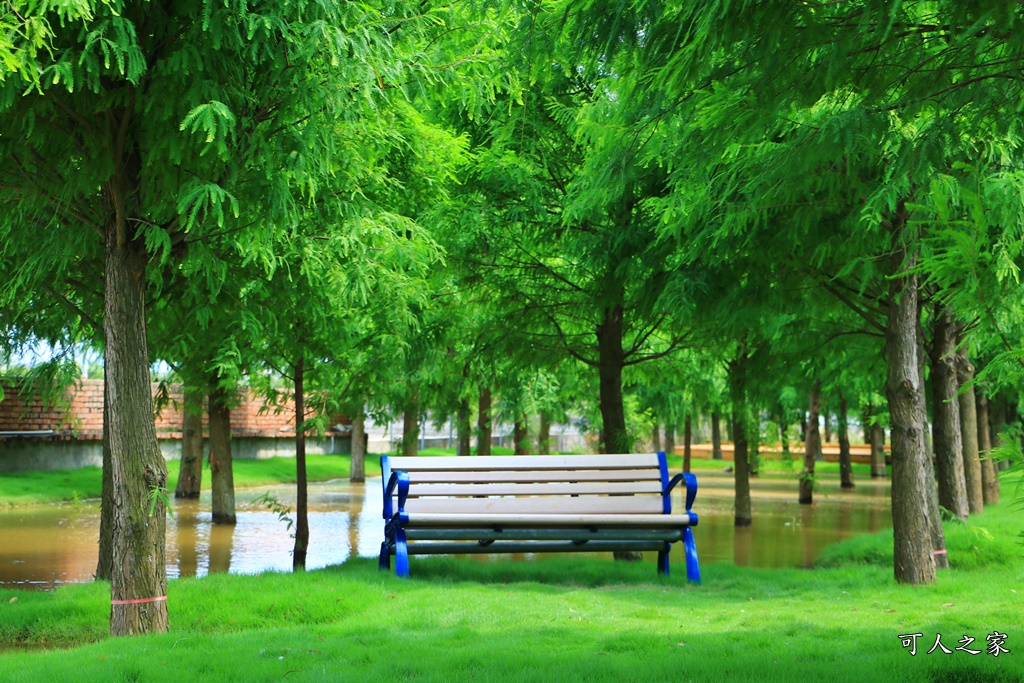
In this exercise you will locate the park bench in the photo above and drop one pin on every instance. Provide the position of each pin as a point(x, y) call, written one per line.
point(529, 504)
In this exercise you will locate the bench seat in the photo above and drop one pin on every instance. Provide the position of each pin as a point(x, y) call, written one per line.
point(521, 504)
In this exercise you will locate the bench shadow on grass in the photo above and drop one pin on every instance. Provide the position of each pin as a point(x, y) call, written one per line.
point(555, 571)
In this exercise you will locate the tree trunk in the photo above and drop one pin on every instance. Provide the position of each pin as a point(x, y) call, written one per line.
point(610, 363)
point(754, 451)
point(812, 445)
point(989, 479)
point(826, 420)
point(934, 511)
point(138, 577)
point(670, 439)
point(969, 433)
point(865, 420)
point(687, 439)
point(465, 430)
point(997, 421)
point(741, 474)
point(913, 561)
point(190, 476)
point(483, 425)
point(946, 434)
point(301, 489)
point(656, 437)
point(357, 470)
point(221, 469)
point(521, 437)
point(716, 436)
point(787, 455)
point(106, 551)
point(411, 427)
point(544, 435)
point(845, 464)
point(877, 451)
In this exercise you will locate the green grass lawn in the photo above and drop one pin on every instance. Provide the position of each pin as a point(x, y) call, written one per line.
point(553, 620)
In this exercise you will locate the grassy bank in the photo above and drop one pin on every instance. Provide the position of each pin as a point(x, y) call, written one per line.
point(560, 619)
point(30, 488)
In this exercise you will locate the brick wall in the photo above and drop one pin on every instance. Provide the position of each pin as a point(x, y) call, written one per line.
point(79, 415)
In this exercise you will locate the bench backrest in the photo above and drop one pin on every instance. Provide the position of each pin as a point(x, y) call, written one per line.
point(524, 484)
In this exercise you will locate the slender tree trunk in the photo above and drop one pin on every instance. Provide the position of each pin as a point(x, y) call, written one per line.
point(357, 470)
point(876, 439)
point(610, 363)
point(521, 437)
point(191, 474)
point(997, 421)
point(716, 436)
point(301, 489)
point(754, 451)
point(656, 437)
point(687, 440)
point(138, 577)
point(812, 445)
point(826, 420)
point(483, 425)
point(912, 544)
point(411, 427)
point(989, 479)
point(845, 464)
point(877, 451)
point(106, 552)
point(544, 435)
point(969, 431)
point(465, 430)
point(221, 468)
point(670, 439)
point(738, 392)
point(934, 512)
point(784, 438)
point(947, 437)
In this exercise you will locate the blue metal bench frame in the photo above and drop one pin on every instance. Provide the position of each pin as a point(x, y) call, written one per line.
point(397, 532)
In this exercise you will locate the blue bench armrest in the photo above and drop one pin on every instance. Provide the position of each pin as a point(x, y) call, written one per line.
point(390, 480)
point(691, 487)
point(400, 480)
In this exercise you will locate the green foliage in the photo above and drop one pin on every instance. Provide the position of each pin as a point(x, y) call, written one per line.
point(270, 501)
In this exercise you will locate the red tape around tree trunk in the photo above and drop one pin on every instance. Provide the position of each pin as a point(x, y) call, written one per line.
point(139, 601)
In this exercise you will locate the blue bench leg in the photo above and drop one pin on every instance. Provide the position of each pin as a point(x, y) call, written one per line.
point(692, 567)
point(384, 563)
point(663, 560)
point(401, 554)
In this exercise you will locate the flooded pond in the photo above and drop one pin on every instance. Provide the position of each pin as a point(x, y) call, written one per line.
point(45, 546)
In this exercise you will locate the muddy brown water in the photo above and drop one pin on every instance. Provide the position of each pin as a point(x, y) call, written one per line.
point(42, 547)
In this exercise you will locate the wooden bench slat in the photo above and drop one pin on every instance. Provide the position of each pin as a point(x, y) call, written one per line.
point(425, 519)
point(441, 548)
point(533, 533)
point(569, 506)
point(532, 476)
point(535, 489)
point(523, 462)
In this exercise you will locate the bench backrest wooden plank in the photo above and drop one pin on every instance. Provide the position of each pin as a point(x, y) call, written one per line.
point(564, 484)
point(528, 476)
point(523, 462)
point(583, 505)
point(587, 488)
